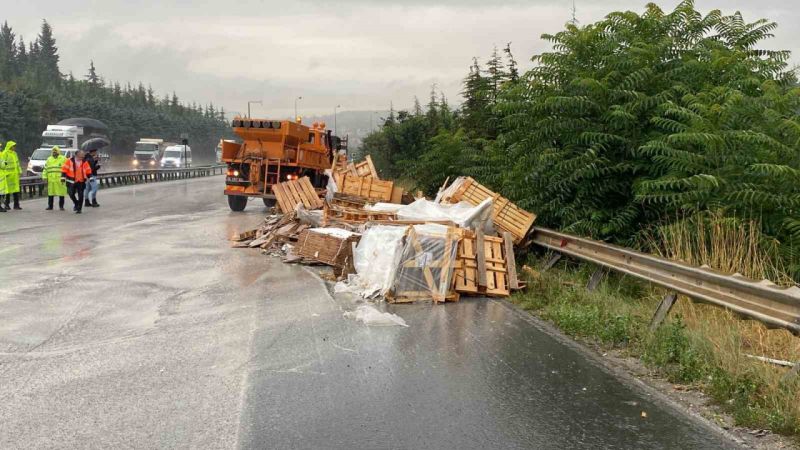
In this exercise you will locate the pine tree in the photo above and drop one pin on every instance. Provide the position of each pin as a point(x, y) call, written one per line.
point(151, 96)
point(92, 78)
point(417, 107)
point(8, 53)
point(475, 110)
point(497, 75)
point(513, 71)
point(47, 56)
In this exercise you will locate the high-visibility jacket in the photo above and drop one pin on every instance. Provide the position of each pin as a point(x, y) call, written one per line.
point(56, 187)
point(3, 184)
point(75, 171)
point(12, 168)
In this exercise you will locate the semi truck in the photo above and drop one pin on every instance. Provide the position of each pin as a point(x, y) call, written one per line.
point(274, 151)
point(69, 135)
point(148, 152)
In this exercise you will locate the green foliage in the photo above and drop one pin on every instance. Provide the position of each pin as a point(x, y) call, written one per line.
point(33, 94)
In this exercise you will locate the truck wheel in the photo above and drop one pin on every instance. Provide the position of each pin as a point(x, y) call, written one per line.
point(269, 202)
point(237, 202)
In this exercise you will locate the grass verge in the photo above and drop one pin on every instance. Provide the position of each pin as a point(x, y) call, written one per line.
point(701, 346)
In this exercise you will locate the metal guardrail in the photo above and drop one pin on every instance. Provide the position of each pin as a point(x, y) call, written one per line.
point(761, 300)
point(35, 186)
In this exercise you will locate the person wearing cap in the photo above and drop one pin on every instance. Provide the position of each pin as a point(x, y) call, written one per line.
point(93, 183)
point(75, 172)
point(12, 172)
point(56, 186)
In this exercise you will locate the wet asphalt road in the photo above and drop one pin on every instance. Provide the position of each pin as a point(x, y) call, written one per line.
point(136, 326)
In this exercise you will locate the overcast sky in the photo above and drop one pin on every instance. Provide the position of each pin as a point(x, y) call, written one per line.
point(357, 53)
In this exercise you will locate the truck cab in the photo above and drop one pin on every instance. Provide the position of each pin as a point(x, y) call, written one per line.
point(147, 153)
point(66, 137)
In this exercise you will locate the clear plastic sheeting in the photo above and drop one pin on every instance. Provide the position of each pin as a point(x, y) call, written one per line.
point(335, 232)
point(331, 187)
point(375, 259)
point(371, 316)
point(425, 270)
point(462, 214)
point(383, 207)
point(312, 218)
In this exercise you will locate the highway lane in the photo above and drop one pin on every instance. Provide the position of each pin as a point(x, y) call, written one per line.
point(136, 325)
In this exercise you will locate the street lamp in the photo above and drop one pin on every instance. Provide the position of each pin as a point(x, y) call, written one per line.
point(335, 127)
point(248, 106)
point(295, 106)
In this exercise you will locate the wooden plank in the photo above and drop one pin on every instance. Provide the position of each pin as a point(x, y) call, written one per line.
point(280, 195)
point(480, 246)
point(511, 264)
point(663, 310)
point(311, 194)
point(372, 170)
point(296, 197)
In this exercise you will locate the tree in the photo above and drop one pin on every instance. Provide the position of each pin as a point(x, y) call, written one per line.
point(475, 111)
point(94, 80)
point(8, 53)
point(47, 56)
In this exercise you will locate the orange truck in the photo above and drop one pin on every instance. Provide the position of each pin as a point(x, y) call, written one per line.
point(274, 151)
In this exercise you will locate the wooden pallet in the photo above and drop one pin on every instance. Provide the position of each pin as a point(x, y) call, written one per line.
point(331, 250)
point(481, 272)
point(291, 193)
point(369, 188)
point(337, 214)
point(505, 215)
point(426, 268)
point(348, 201)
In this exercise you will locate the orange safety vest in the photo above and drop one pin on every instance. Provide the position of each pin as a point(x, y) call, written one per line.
point(76, 173)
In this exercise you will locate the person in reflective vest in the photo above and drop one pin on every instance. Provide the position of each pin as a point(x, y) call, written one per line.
point(56, 186)
point(12, 171)
point(3, 184)
point(75, 172)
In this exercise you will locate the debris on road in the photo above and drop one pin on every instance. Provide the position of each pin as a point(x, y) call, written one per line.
point(370, 316)
point(381, 242)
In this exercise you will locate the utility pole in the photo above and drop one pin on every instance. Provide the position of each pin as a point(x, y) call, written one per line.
point(574, 20)
point(252, 102)
point(335, 127)
point(295, 106)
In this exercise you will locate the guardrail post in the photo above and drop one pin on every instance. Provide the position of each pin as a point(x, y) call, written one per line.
point(792, 373)
point(551, 262)
point(663, 310)
point(595, 279)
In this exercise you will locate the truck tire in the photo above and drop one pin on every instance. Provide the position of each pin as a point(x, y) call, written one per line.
point(269, 202)
point(237, 202)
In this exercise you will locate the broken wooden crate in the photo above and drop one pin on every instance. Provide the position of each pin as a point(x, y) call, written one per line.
point(505, 215)
point(426, 265)
point(331, 246)
point(293, 192)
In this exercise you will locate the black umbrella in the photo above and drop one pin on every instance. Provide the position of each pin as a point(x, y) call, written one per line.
point(95, 144)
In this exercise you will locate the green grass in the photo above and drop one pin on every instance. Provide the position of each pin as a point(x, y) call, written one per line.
point(691, 351)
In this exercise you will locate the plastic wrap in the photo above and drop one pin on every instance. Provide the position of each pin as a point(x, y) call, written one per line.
point(370, 316)
point(462, 214)
point(308, 217)
point(425, 269)
point(331, 187)
point(375, 260)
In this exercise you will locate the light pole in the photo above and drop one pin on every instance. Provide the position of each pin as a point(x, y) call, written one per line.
point(335, 127)
point(295, 106)
point(248, 106)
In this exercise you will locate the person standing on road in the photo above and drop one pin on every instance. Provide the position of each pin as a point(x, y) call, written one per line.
point(12, 172)
point(56, 187)
point(3, 184)
point(93, 183)
point(76, 171)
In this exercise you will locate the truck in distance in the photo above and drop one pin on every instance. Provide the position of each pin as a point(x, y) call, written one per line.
point(69, 135)
point(148, 152)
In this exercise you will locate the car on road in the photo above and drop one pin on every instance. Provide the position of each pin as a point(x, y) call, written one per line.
point(177, 156)
point(39, 157)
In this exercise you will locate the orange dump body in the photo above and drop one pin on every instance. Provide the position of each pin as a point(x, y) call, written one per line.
point(275, 151)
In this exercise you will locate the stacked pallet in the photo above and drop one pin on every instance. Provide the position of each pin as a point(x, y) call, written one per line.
point(368, 188)
point(332, 214)
point(291, 193)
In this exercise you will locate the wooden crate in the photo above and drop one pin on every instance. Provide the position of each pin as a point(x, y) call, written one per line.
point(505, 215)
point(369, 188)
point(325, 248)
point(291, 193)
point(481, 272)
point(426, 268)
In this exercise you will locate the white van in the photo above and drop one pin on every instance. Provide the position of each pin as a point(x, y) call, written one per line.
point(177, 156)
point(39, 157)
